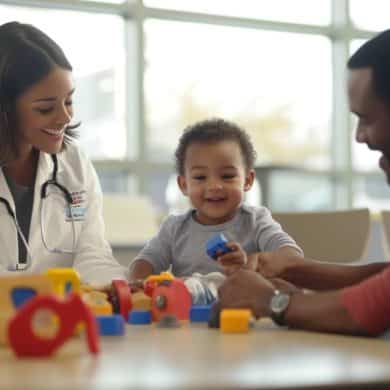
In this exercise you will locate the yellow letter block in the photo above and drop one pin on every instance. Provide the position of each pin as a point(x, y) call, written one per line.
point(60, 277)
point(235, 320)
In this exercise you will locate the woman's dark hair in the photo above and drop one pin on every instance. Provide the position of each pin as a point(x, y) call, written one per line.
point(212, 131)
point(27, 56)
point(375, 54)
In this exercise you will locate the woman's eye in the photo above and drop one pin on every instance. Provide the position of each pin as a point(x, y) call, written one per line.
point(227, 177)
point(44, 111)
point(69, 103)
point(199, 177)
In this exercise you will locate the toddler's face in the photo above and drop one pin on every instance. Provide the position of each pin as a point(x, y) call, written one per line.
point(215, 180)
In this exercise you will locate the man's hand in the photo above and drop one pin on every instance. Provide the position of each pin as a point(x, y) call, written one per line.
point(275, 264)
point(246, 289)
point(235, 259)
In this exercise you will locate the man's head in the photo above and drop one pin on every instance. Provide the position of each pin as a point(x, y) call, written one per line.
point(369, 95)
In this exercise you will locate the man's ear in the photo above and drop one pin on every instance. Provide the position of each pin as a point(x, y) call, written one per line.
point(182, 183)
point(249, 179)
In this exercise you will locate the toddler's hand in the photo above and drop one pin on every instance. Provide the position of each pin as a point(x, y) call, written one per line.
point(233, 260)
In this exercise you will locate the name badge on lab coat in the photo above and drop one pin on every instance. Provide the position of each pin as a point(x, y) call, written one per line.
point(78, 207)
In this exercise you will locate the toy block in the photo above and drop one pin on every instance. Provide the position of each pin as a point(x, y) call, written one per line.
point(200, 313)
point(235, 320)
point(141, 301)
point(15, 290)
point(111, 325)
point(64, 279)
point(140, 317)
point(21, 295)
point(216, 246)
point(97, 301)
point(173, 298)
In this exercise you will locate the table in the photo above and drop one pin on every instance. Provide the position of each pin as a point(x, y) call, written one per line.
point(196, 357)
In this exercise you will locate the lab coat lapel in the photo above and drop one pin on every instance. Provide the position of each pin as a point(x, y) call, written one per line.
point(44, 173)
point(8, 232)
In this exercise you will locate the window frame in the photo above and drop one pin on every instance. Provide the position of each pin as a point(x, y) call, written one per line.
point(341, 32)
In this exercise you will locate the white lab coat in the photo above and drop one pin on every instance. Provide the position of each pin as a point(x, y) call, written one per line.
point(93, 258)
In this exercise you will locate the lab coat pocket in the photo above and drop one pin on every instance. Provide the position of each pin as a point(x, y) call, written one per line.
point(60, 231)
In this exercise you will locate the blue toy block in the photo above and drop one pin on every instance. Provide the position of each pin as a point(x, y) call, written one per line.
point(217, 246)
point(111, 325)
point(21, 295)
point(200, 313)
point(140, 317)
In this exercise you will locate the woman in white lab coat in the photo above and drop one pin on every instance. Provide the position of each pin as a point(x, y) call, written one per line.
point(50, 197)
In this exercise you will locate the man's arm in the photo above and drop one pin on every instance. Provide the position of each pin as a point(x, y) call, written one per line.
point(322, 312)
point(317, 311)
point(312, 274)
point(317, 275)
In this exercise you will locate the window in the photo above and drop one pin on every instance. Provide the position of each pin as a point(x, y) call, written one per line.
point(370, 15)
point(196, 71)
point(97, 56)
point(297, 11)
point(146, 69)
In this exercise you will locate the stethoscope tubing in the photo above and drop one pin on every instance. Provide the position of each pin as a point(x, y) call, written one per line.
point(44, 194)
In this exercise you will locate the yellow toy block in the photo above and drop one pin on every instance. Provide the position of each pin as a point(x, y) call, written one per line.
point(160, 278)
point(97, 301)
point(141, 301)
point(61, 277)
point(38, 284)
point(235, 320)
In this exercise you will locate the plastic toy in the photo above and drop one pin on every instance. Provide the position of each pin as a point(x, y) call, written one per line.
point(15, 290)
point(200, 313)
point(113, 325)
point(63, 279)
point(160, 277)
point(235, 320)
point(23, 337)
point(98, 302)
point(141, 301)
point(120, 298)
point(215, 313)
point(171, 297)
point(168, 321)
point(140, 317)
point(216, 246)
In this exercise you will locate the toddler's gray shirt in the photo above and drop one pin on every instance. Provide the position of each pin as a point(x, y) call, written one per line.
point(181, 241)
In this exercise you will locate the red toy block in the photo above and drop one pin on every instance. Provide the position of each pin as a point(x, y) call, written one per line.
point(25, 342)
point(171, 298)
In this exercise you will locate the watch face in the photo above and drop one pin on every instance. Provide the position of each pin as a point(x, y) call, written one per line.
point(279, 302)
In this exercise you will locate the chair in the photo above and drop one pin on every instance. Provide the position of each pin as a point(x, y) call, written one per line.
point(385, 218)
point(129, 220)
point(336, 236)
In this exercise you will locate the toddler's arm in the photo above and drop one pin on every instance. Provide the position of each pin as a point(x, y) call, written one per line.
point(140, 269)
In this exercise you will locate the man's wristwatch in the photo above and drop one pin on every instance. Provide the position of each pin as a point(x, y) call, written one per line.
point(278, 306)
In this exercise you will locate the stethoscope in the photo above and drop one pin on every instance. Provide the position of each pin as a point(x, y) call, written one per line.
point(44, 195)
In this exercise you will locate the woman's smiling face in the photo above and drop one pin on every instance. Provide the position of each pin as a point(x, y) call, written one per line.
point(44, 111)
